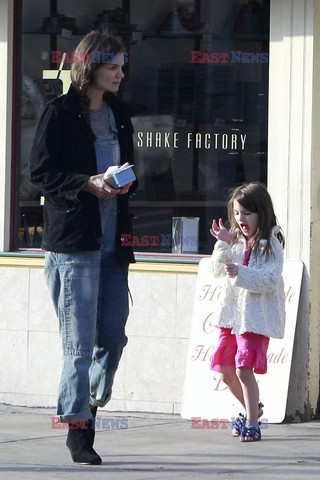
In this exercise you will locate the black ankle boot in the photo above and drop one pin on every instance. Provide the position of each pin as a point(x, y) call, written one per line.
point(93, 409)
point(79, 442)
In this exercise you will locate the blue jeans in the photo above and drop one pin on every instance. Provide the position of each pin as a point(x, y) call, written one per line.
point(107, 154)
point(90, 296)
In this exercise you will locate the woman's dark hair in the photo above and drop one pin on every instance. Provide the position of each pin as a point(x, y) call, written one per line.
point(91, 53)
point(89, 56)
point(254, 197)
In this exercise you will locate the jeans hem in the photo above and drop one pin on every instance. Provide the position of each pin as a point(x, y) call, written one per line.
point(84, 415)
point(100, 403)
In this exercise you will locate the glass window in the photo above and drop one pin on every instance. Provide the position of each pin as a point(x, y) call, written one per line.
point(197, 79)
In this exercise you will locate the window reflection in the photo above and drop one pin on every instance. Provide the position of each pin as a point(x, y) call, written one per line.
point(197, 78)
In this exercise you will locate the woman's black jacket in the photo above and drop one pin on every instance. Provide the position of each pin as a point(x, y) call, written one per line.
point(61, 162)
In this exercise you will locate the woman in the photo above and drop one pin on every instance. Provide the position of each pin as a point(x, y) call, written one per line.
point(79, 135)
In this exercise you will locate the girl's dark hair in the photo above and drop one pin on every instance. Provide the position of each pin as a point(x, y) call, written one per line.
point(254, 197)
point(89, 56)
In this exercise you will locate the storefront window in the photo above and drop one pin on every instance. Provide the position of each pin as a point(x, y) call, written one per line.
point(197, 79)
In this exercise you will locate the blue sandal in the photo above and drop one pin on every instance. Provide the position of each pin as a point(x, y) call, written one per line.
point(240, 421)
point(237, 425)
point(250, 434)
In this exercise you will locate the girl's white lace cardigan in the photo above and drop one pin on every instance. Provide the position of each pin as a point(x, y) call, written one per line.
point(253, 301)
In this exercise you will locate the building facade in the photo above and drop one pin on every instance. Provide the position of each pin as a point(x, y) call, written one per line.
point(223, 92)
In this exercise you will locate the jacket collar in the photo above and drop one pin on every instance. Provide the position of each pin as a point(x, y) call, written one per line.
point(70, 101)
point(275, 230)
point(121, 110)
point(243, 240)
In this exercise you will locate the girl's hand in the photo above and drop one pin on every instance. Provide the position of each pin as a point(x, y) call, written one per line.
point(98, 187)
point(221, 233)
point(231, 269)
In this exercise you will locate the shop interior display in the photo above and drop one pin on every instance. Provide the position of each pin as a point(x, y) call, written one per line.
point(170, 95)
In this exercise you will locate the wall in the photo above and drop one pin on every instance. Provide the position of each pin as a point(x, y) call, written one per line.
point(151, 371)
point(315, 226)
point(293, 178)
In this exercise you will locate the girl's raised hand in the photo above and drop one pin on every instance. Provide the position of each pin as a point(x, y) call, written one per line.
point(221, 233)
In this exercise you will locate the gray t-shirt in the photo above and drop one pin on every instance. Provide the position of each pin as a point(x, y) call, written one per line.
point(100, 120)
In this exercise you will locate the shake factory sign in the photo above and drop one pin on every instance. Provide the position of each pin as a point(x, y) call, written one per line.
point(216, 141)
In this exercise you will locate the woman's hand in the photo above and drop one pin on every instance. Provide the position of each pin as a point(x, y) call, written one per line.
point(98, 187)
point(125, 189)
point(221, 233)
point(231, 269)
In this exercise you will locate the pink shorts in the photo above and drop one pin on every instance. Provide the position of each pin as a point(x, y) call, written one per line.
point(246, 350)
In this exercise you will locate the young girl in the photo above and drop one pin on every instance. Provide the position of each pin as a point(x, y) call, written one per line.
point(252, 305)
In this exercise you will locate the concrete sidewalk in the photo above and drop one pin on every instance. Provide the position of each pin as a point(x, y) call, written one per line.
point(154, 446)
